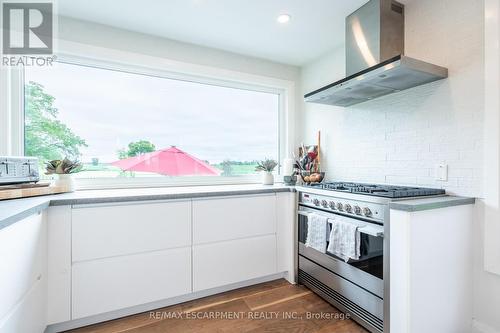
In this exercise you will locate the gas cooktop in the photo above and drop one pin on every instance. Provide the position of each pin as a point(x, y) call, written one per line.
point(388, 191)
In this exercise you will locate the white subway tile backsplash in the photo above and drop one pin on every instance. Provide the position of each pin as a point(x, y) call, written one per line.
point(401, 137)
point(402, 155)
point(418, 172)
point(403, 180)
point(461, 172)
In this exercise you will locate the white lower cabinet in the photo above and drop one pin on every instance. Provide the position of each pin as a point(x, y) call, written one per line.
point(103, 258)
point(23, 276)
point(227, 262)
point(125, 255)
point(109, 284)
point(220, 219)
point(29, 315)
point(111, 230)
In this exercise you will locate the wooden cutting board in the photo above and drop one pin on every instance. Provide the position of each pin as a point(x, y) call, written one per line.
point(29, 190)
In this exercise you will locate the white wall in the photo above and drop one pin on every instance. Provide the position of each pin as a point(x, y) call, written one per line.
point(119, 39)
point(487, 285)
point(399, 138)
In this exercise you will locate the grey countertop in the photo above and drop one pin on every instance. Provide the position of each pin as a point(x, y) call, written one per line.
point(416, 205)
point(161, 193)
point(14, 210)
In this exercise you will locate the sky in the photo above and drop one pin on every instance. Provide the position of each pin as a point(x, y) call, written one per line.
point(110, 109)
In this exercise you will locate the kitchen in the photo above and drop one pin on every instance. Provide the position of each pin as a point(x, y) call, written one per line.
point(94, 255)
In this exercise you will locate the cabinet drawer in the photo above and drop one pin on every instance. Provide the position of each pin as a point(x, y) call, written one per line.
point(106, 231)
point(23, 260)
point(30, 314)
point(232, 218)
point(228, 262)
point(114, 283)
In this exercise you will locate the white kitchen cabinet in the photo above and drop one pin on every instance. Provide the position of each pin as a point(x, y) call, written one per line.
point(89, 262)
point(218, 219)
point(59, 264)
point(29, 314)
point(286, 207)
point(115, 283)
point(431, 278)
point(227, 262)
point(23, 276)
point(105, 231)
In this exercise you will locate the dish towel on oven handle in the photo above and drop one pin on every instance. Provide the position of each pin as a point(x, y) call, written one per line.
point(316, 232)
point(345, 240)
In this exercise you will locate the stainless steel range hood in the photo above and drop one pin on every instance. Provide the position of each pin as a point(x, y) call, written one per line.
point(375, 64)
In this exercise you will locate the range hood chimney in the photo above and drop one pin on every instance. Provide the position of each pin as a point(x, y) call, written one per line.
point(375, 64)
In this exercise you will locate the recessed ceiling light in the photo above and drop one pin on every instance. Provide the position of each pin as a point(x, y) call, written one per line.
point(283, 18)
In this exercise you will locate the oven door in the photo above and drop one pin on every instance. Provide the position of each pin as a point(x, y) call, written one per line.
point(367, 272)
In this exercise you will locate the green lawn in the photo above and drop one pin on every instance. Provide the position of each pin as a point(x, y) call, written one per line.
point(106, 170)
point(239, 169)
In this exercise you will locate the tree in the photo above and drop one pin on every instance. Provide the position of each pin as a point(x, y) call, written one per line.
point(46, 137)
point(136, 148)
point(227, 168)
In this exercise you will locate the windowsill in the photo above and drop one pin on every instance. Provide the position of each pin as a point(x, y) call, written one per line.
point(147, 183)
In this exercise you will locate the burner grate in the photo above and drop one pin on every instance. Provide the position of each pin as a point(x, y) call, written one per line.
point(388, 191)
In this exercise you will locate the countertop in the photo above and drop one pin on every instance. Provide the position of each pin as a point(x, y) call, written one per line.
point(15, 210)
point(416, 205)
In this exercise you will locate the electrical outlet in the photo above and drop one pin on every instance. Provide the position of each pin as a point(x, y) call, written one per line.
point(442, 172)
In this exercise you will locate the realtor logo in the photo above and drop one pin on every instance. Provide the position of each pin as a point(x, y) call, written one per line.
point(27, 28)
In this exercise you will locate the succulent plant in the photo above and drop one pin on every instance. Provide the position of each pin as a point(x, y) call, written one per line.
point(62, 167)
point(267, 165)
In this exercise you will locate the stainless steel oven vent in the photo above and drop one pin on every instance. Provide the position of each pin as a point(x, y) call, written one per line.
point(368, 320)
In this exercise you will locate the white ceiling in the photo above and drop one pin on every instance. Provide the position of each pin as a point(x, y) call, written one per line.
point(247, 27)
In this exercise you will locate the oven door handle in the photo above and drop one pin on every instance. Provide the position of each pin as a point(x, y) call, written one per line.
point(375, 231)
point(365, 228)
point(304, 213)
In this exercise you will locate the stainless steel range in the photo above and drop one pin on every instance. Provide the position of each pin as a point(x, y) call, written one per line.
point(358, 287)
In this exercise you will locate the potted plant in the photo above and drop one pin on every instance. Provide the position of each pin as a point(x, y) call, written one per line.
point(266, 167)
point(63, 169)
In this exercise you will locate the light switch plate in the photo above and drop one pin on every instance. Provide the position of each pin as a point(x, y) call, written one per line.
point(442, 172)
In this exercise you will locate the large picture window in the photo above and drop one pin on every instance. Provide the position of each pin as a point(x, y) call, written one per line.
point(122, 124)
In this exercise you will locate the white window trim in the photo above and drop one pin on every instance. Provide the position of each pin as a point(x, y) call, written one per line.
point(11, 111)
point(71, 52)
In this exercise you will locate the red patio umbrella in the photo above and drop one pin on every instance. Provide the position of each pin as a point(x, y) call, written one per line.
point(169, 162)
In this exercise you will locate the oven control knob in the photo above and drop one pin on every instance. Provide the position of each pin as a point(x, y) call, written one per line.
point(332, 204)
point(340, 206)
point(367, 211)
point(357, 210)
point(324, 203)
point(316, 202)
point(348, 208)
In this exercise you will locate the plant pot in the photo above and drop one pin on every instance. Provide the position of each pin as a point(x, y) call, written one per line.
point(66, 182)
point(267, 178)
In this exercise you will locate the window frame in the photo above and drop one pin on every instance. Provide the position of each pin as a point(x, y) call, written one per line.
point(177, 71)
